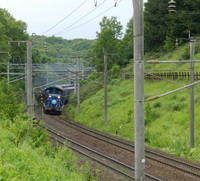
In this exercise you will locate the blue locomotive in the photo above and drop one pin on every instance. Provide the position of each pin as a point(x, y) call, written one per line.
point(55, 97)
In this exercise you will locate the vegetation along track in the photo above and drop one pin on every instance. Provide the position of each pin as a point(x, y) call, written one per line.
point(158, 164)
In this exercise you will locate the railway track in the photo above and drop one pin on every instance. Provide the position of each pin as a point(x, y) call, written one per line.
point(152, 157)
point(115, 165)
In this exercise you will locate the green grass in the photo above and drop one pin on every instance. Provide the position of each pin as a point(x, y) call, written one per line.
point(26, 154)
point(181, 53)
point(167, 119)
point(25, 151)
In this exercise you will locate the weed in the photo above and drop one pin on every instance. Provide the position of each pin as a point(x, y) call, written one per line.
point(150, 114)
point(157, 105)
point(126, 93)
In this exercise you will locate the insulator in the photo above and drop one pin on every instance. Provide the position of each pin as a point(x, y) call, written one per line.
point(172, 6)
point(95, 3)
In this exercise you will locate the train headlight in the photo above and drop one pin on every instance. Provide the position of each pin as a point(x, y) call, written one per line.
point(58, 97)
point(54, 102)
point(49, 95)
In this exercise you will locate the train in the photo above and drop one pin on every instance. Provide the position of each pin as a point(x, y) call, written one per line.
point(53, 98)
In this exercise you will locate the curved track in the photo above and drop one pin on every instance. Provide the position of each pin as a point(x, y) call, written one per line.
point(181, 167)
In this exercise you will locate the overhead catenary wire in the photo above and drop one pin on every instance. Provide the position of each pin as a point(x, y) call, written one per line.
point(91, 19)
point(65, 17)
point(68, 78)
point(62, 31)
point(16, 79)
point(88, 20)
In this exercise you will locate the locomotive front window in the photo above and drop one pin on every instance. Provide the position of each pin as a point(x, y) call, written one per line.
point(59, 91)
point(48, 91)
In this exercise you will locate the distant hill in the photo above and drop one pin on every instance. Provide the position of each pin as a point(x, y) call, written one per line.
point(56, 49)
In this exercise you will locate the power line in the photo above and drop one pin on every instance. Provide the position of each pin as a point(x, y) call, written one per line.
point(65, 17)
point(93, 18)
point(80, 18)
point(88, 20)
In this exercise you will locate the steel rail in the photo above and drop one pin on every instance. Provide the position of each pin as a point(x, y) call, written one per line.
point(100, 154)
point(129, 146)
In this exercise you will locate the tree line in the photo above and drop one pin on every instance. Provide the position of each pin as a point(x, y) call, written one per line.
point(160, 32)
point(161, 28)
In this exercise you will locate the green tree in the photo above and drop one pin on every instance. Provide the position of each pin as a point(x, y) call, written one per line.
point(59, 49)
point(162, 28)
point(11, 30)
point(155, 23)
point(9, 103)
point(109, 41)
point(183, 21)
point(127, 43)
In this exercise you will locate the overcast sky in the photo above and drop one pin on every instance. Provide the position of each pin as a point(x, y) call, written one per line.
point(78, 18)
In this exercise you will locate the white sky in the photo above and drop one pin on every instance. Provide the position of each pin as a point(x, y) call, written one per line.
point(41, 15)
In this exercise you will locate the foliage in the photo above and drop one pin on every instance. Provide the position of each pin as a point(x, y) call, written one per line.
point(114, 72)
point(26, 153)
point(59, 49)
point(119, 97)
point(108, 41)
point(166, 119)
point(9, 95)
point(150, 114)
point(127, 43)
point(88, 88)
point(162, 29)
point(11, 30)
point(155, 13)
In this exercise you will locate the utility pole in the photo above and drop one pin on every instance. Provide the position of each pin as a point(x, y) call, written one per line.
point(29, 78)
point(192, 51)
point(139, 89)
point(8, 71)
point(78, 84)
point(172, 7)
point(105, 86)
point(28, 75)
point(75, 81)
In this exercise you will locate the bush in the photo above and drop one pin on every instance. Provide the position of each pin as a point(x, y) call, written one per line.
point(9, 105)
point(26, 153)
point(150, 114)
point(20, 161)
point(157, 105)
point(186, 54)
point(88, 89)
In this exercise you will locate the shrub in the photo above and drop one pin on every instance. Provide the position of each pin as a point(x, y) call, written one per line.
point(150, 114)
point(88, 89)
point(9, 98)
point(26, 153)
point(114, 71)
point(157, 105)
point(186, 54)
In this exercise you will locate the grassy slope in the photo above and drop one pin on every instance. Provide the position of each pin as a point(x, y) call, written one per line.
point(25, 151)
point(167, 119)
point(25, 154)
